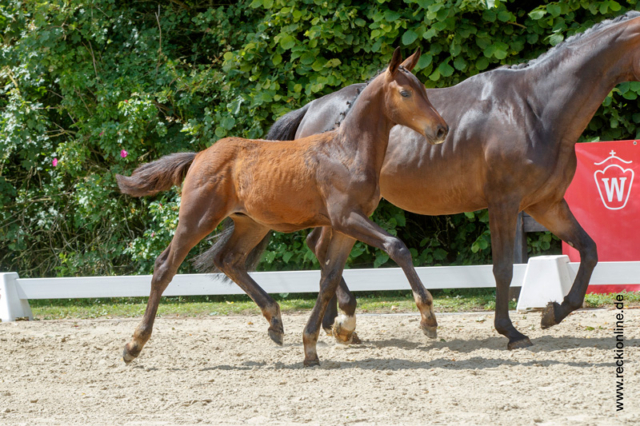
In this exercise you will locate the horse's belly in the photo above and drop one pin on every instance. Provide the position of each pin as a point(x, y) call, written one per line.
point(431, 193)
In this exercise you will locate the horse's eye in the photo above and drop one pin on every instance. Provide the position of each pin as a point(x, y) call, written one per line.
point(405, 93)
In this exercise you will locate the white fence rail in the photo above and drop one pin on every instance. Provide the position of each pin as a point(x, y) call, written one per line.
point(15, 292)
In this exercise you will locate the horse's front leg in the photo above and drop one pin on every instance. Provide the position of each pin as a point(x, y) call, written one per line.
point(337, 253)
point(558, 219)
point(341, 327)
point(358, 226)
point(502, 221)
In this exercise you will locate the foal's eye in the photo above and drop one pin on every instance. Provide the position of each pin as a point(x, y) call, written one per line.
point(405, 93)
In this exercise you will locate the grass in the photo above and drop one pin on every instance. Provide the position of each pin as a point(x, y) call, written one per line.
point(200, 306)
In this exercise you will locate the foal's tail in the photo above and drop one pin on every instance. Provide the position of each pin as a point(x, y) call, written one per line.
point(159, 175)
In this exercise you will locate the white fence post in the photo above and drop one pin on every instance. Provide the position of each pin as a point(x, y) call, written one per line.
point(546, 279)
point(13, 302)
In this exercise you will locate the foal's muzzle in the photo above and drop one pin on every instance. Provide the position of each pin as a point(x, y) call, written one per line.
point(440, 135)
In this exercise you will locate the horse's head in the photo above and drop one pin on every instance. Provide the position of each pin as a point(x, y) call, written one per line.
point(406, 99)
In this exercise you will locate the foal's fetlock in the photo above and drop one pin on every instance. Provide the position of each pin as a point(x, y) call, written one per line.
point(344, 329)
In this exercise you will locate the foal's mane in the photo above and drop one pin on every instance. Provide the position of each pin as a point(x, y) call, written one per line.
point(573, 39)
point(352, 102)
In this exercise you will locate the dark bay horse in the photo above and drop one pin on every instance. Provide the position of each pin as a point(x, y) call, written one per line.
point(511, 149)
point(328, 180)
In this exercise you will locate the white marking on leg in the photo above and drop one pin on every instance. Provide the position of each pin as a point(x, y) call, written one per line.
point(346, 322)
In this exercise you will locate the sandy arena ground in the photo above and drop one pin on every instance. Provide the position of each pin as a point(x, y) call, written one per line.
point(225, 370)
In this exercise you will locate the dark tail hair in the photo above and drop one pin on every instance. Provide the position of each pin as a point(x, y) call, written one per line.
point(285, 128)
point(204, 262)
point(159, 175)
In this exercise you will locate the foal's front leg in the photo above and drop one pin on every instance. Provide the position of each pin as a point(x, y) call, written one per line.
point(358, 226)
point(341, 327)
point(337, 253)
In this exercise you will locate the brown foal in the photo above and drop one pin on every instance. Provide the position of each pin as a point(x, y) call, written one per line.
point(327, 180)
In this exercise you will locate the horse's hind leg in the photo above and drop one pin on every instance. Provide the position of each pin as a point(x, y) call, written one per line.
point(231, 260)
point(337, 253)
point(558, 219)
point(188, 234)
point(341, 327)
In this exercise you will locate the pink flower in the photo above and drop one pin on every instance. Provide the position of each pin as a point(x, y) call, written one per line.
point(153, 234)
point(123, 154)
point(126, 101)
point(55, 162)
point(102, 133)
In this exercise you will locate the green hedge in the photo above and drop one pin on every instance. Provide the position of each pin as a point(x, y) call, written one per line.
point(82, 81)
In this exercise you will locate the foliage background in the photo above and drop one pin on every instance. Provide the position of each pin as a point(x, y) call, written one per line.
point(80, 81)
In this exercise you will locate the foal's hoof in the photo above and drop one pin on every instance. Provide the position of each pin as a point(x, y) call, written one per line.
point(277, 337)
point(549, 315)
point(329, 331)
point(127, 356)
point(519, 344)
point(311, 362)
point(430, 331)
point(342, 336)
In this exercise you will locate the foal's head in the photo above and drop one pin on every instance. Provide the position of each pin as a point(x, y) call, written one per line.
point(406, 100)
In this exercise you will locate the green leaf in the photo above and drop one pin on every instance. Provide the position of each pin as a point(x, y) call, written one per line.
point(409, 37)
point(445, 69)
point(460, 64)
point(381, 259)
point(287, 42)
point(482, 64)
point(556, 39)
point(276, 59)
point(391, 15)
point(255, 4)
point(615, 6)
point(554, 9)
point(228, 122)
point(537, 14)
point(424, 61)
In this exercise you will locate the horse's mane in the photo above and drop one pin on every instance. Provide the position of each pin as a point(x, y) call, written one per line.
point(573, 39)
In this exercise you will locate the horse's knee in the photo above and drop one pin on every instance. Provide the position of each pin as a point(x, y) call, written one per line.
point(398, 251)
point(503, 272)
point(589, 254)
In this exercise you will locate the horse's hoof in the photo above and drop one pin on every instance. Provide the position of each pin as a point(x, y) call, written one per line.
point(355, 340)
point(549, 315)
point(329, 331)
point(126, 356)
point(430, 331)
point(277, 337)
point(519, 344)
point(311, 362)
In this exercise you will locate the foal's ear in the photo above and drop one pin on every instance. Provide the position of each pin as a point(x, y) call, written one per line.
point(395, 61)
point(412, 60)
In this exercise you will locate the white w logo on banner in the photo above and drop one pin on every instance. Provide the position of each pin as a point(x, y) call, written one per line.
point(618, 188)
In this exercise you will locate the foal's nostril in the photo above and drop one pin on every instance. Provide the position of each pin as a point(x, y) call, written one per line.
point(442, 131)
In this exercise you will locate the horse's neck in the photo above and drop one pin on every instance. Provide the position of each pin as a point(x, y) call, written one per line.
point(569, 92)
point(364, 133)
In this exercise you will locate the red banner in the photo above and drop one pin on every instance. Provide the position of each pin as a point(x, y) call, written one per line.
point(604, 196)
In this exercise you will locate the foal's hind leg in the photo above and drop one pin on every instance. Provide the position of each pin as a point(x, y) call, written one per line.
point(341, 327)
point(232, 261)
point(558, 219)
point(188, 233)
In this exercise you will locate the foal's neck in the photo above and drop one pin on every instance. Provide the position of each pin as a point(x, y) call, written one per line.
point(569, 89)
point(365, 130)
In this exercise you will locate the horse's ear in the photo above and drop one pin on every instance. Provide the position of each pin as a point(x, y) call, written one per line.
point(412, 60)
point(395, 61)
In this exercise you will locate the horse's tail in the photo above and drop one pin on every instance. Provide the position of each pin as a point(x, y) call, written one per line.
point(159, 175)
point(285, 128)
